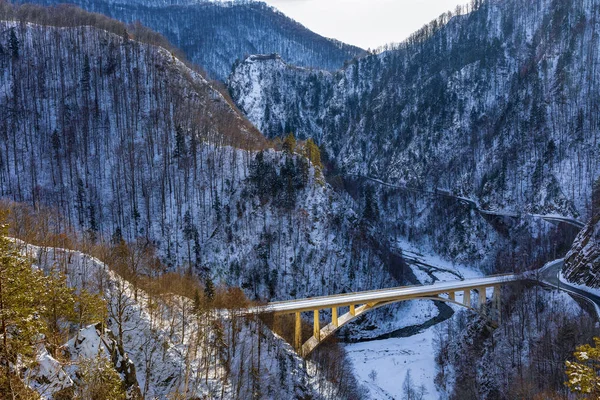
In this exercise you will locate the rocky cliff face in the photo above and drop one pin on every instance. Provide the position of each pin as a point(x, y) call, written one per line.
point(582, 264)
point(52, 378)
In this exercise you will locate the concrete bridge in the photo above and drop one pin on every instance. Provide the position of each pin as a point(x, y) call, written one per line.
point(356, 304)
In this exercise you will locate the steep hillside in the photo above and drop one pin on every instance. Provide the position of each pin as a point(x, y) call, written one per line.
point(582, 264)
point(215, 34)
point(206, 356)
point(52, 378)
point(499, 104)
point(127, 142)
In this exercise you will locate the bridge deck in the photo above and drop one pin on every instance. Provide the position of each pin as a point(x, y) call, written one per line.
point(378, 296)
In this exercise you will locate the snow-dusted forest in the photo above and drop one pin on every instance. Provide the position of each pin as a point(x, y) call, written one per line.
point(143, 148)
point(150, 205)
point(496, 102)
point(216, 34)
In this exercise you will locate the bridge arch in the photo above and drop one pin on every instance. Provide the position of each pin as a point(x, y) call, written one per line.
point(363, 302)
point(337, 322)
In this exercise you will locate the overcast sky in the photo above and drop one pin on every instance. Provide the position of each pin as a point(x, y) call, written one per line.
point(364, 23)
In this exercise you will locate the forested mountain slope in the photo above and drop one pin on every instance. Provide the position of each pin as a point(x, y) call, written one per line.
point(166, 345)
point(215, 34)
point(499, 104)
point(124, 140)
point(582, 264)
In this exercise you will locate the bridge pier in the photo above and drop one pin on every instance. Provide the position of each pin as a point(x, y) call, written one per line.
point(452, 296)
point(497, 304)
point(481, 299)
point(298, 333)
point(334, 316)
point(316, 326)
point(467, 297)
point(352, 310)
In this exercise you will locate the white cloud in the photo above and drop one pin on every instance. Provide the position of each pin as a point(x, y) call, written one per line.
point(365, 23)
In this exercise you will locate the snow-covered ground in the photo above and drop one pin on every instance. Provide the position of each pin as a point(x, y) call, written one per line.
point(408, 313)
point(171, 352)
point(424, 262)
point(391, 359)
point(381, 366)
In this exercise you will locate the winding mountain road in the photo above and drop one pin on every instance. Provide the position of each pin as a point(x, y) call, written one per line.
point(474, 205)
point(549, 276)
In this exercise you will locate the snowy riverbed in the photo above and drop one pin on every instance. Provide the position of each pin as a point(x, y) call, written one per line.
point(391, 359)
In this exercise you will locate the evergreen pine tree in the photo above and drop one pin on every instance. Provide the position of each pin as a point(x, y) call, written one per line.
point(313, 153)
point(55, 142)
point(209, 290)
point(89, 308)
point(99, 380)
point(289, 177)
point(371, 210)
point(85, 74)
point(20, 307)
point(584, 374)
point(180, 149)
point(60, 307)
point(117, 237)
point(13, 44)
point(289, 144)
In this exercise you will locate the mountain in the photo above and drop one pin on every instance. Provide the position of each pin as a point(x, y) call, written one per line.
point(126, 141)
point(216, 34)
point(160, 352)
point(498, 104)
point(582, 263)
point(121, 149)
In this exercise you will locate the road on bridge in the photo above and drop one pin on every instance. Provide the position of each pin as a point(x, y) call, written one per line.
point(547, 275)
point(408, 292)
point(361, 302)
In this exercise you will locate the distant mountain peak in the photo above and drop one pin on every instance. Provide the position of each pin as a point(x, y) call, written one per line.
point(476, 102)
point(214, 34)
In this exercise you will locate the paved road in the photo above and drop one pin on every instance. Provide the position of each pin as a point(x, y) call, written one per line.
point(549, 275)
point(383, 295)
point(442, 192)
point(559, 218)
